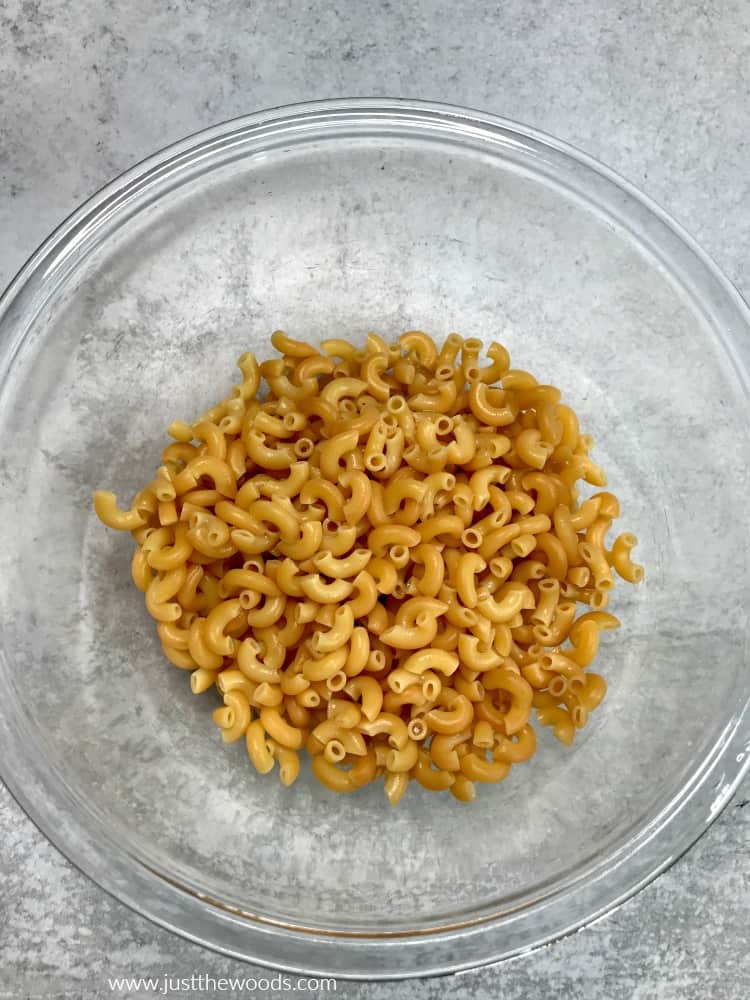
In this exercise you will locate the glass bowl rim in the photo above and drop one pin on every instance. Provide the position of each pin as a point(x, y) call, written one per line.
point(209, 922)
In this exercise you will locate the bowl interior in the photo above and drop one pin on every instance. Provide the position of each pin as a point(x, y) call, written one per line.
point(335, 238)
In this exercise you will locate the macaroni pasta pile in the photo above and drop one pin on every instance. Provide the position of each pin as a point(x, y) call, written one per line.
point(380, 560)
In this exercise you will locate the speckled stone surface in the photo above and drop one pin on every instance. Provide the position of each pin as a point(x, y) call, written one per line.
point(661, 94)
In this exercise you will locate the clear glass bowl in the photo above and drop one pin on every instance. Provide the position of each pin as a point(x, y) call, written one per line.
point(330, 220)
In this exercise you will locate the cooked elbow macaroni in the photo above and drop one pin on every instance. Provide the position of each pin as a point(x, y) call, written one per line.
point(380, 560)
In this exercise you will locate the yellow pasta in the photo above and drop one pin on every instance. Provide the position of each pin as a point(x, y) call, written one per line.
point(105, 505)
point(619, 557)
point(377, 562)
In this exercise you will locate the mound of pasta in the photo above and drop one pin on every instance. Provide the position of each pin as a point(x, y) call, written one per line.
point(379, 557)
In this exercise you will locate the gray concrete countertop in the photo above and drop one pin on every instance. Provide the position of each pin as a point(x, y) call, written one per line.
point(661, 92)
